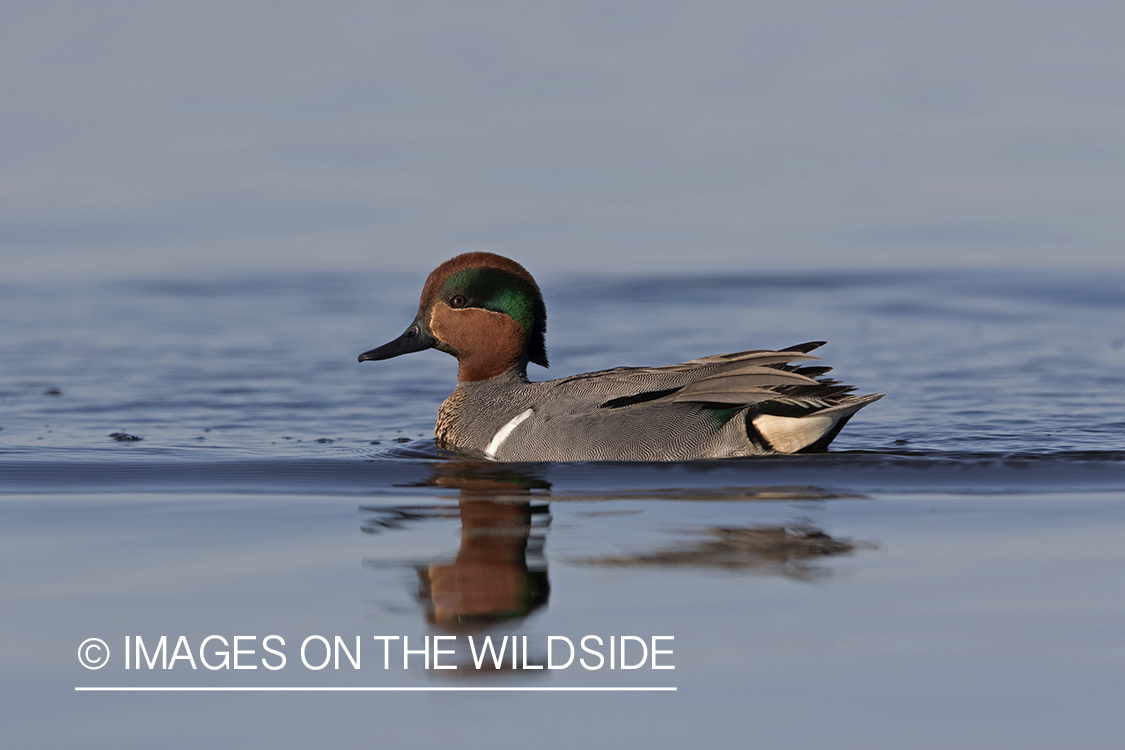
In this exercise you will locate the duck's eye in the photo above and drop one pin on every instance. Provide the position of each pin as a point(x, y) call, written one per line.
point(458, 300)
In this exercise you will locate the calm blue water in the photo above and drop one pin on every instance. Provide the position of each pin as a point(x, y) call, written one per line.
point(949, 575)
point(979, 368)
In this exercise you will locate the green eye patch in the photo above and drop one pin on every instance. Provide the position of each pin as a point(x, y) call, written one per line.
point(494, 290)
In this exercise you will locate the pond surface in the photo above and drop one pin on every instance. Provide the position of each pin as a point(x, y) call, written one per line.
point(949, 575)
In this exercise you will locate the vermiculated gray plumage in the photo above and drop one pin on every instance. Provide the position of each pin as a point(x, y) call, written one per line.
point(739, 404)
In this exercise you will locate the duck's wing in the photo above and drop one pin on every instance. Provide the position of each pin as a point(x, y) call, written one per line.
point(765, 379)
point(772, 399)
point(735, 378)
point(744, 382)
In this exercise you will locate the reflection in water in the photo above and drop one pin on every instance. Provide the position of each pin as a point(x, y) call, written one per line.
point(716, 495)
point(789, 551)
point(499, 575)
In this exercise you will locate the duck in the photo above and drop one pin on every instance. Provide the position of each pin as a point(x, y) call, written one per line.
point(488, 312)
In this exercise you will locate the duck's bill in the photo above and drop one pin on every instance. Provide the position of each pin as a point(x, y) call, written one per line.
point(414, 339)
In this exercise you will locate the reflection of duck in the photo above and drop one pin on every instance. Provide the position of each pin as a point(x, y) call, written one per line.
point(487, 311)
point(790, 551)
point(500, 573)
point(490, 580)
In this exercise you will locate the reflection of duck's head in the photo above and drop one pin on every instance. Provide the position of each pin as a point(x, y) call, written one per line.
point(490, 580)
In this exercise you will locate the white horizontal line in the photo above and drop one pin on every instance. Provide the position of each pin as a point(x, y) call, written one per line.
point(360, 689)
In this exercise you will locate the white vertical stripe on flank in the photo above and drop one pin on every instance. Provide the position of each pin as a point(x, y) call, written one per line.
point(503, 433)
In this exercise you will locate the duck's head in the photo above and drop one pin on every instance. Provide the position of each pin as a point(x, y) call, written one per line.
point(482, 308)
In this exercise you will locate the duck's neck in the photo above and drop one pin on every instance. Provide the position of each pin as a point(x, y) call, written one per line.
point(492, 364)
point(508, 378)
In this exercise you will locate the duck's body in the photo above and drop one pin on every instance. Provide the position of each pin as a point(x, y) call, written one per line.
point(487, 311)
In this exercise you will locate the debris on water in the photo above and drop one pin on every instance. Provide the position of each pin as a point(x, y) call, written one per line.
point(325, 440)
point(374, 442)
point(52, 392)
point(124, 437)
point(402, 440)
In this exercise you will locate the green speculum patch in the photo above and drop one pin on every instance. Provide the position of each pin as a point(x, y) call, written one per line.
point(720, 417)
point(494, 290)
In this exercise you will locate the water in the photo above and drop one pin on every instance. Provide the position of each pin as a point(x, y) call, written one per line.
point(949, 575)
point(977, 366)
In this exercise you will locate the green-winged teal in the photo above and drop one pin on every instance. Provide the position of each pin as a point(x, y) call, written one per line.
point(487, 311)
